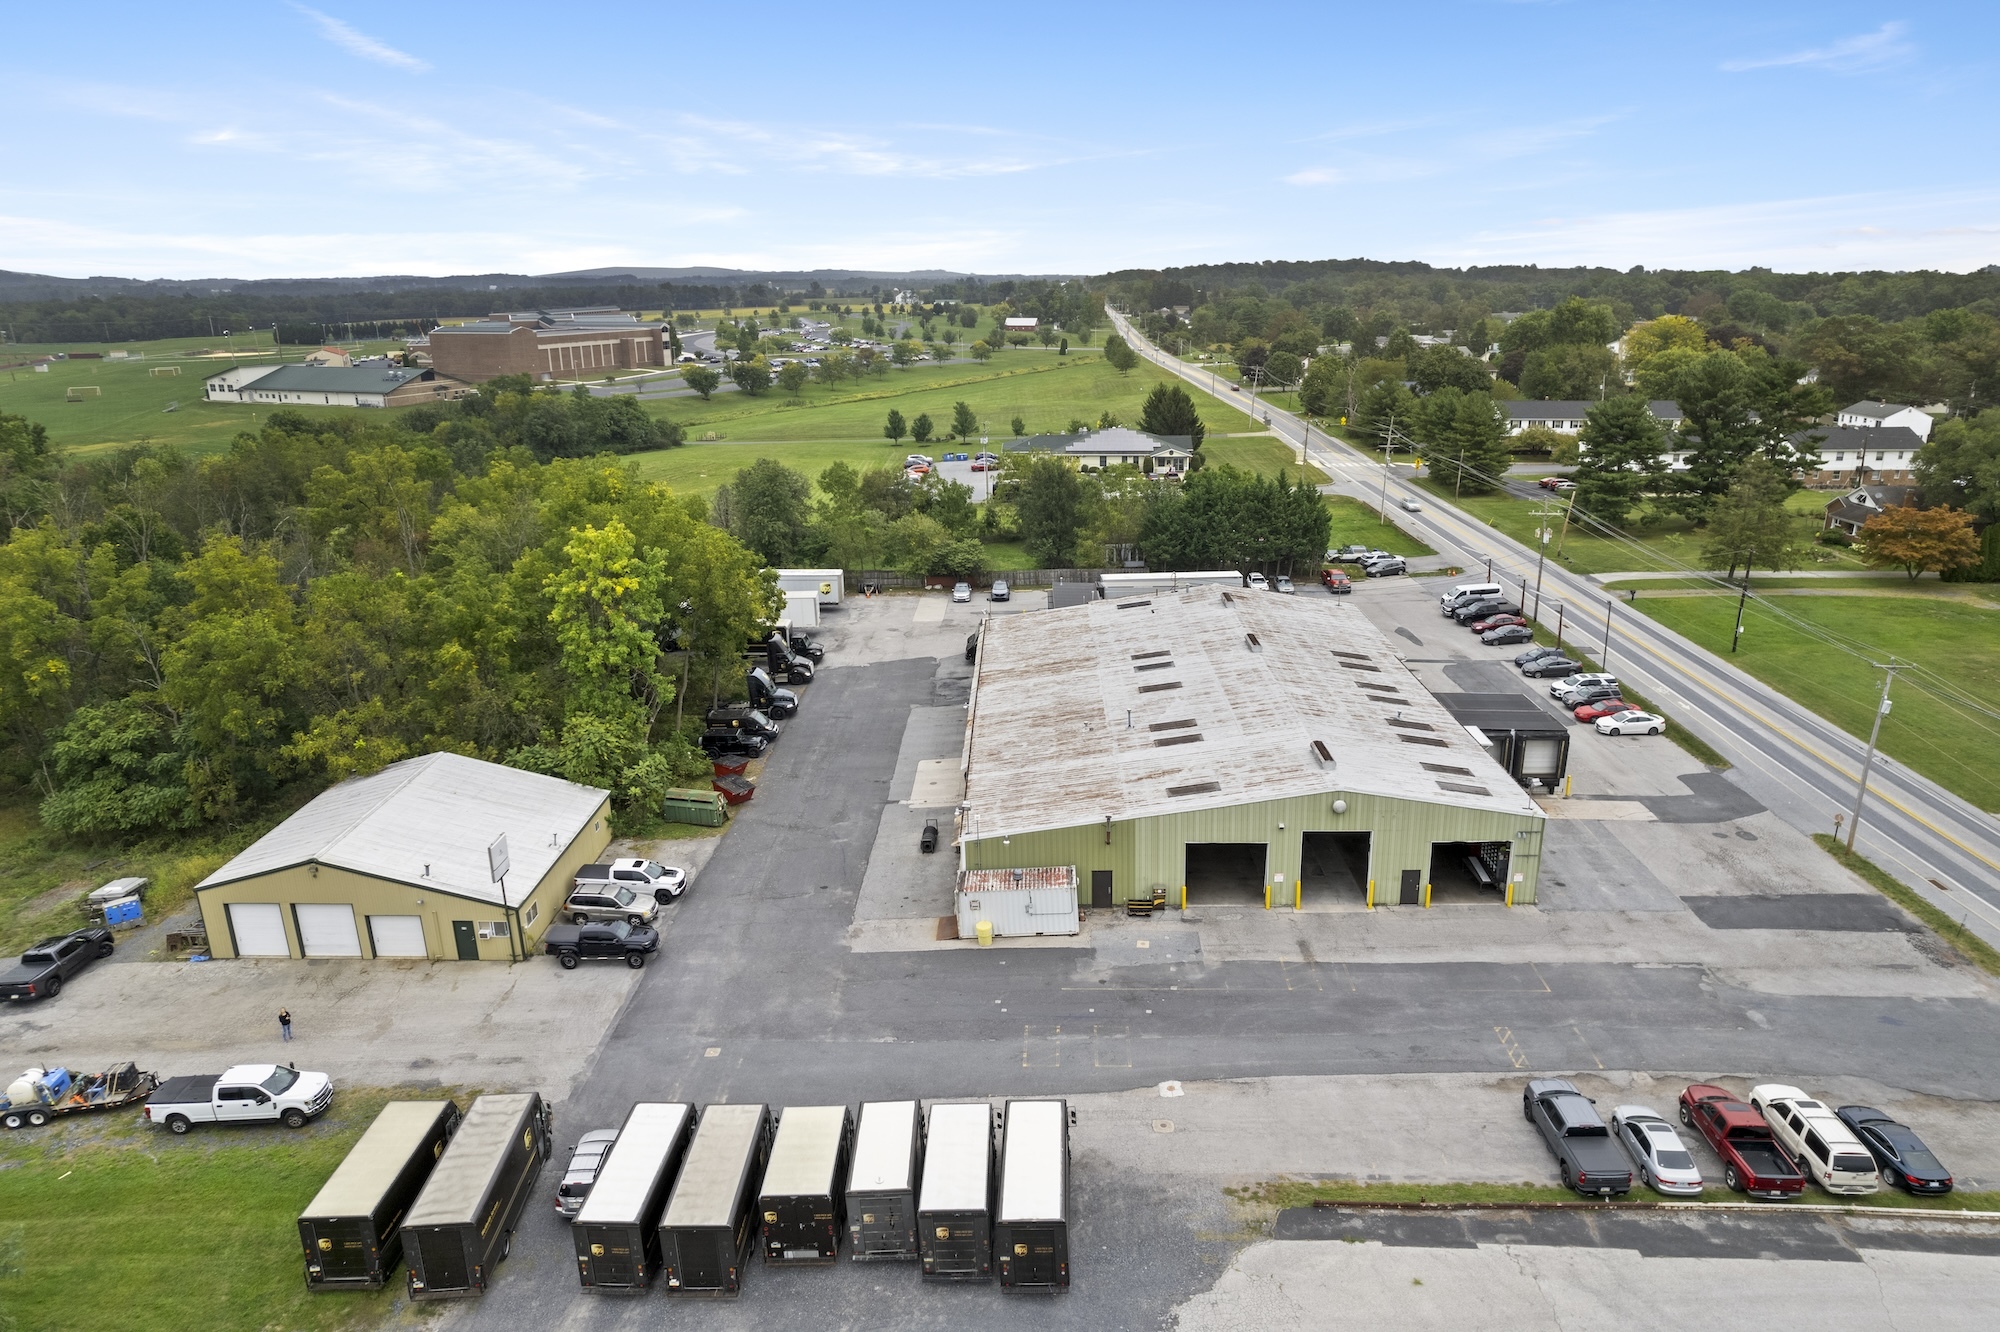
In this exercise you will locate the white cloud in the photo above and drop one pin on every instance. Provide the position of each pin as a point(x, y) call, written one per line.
point(361, 44)
point(1316, 176)
point(1950, 230)
point(1851, 55)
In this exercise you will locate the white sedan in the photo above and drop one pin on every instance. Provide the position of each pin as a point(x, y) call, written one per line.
point(1663, 1159)
point(1259, 582)
point(1283, 584)
point(1631, 723)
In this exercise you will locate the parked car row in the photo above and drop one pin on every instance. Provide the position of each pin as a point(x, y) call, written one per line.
point(1768, 1144)
point(676, 1197)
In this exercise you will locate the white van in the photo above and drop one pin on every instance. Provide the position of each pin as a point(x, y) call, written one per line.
point(1465, 592)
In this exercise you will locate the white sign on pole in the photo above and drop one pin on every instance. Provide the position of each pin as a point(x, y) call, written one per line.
point(496, 857)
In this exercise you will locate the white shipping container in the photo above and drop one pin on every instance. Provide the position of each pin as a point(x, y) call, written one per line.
point(829, 585)
point(1039, 901)
point(802, 609)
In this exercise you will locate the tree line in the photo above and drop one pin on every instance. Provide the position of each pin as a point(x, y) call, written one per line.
point(187, 640)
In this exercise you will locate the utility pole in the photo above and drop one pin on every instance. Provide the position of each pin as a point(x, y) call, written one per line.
point(1874, 733)
point(1542, 535)
point(1742, 597)
point(1604, 658)
point(1382, 509)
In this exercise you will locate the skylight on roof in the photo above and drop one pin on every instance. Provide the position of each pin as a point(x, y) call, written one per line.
point(1196, 788)
point(1154, 689)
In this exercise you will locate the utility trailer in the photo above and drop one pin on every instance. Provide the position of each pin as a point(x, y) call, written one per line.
point(955, 1204)
point(617, 1232)
point(462, 1224)
point(882, 1183)
point(706, 1232)
point(1031, 1224)
point(352, 1229)
point(801, 1200)
point(42, 1094)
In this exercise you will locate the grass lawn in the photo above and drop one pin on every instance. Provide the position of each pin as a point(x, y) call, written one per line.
point(1358, 524)
point(844, 423)
point(1661, 548)
point(1006, 555)
point(1045, 390)
point(106, 1223)
point(132, 405)
point(1960, 642)
point(1259, 453)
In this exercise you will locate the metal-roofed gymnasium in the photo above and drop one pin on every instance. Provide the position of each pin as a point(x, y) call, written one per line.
point(1240, 745)
point(400, 864)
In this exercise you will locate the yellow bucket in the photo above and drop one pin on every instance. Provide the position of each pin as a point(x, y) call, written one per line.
point(984, 929)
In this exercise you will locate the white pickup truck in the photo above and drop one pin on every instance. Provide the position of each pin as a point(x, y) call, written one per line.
point(246, 1094)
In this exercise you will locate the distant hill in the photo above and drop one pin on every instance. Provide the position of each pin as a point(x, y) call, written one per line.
point(44, 287)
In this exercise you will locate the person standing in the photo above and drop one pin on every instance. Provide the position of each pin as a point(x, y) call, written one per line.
point(285, 1023)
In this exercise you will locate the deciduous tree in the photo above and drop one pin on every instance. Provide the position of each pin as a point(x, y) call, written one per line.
point(1920, 541)
point(702, 380)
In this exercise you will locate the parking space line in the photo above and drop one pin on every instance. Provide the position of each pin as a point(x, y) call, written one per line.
point(1110, 1045)
point(1586, 1046)
point(1513, 1050)
point(1043, 1050)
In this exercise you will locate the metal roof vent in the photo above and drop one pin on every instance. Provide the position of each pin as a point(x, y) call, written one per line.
point(1255, 646)
point(1128, 605)
point(1196, 788)
point(1322, 753)
point(1172, 725)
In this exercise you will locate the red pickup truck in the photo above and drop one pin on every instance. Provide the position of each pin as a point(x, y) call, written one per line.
point(1752, 1160)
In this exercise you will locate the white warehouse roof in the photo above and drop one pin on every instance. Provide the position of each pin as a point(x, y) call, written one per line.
point(1234, 697)
point(440, 812)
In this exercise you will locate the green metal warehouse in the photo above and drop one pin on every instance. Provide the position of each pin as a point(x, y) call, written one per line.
point(1213, 746)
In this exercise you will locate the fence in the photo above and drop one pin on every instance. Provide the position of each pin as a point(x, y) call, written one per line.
point(886, 578)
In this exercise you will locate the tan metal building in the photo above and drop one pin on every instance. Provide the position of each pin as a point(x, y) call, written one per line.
point(1244, 747)
point(441, 857)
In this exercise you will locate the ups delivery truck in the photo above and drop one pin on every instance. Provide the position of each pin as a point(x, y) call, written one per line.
point(462, 1224)
point(353, 1228)
point(617, 1231)
point(705, 1234)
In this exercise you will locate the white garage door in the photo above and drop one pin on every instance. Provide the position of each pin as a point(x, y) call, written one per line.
point(328, 931)
point(260, 929)
point(398, 936)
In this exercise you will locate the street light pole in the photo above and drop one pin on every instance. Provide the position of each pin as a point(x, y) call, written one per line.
point(1874, 733)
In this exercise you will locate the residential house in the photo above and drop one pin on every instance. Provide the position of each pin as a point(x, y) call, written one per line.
point(1161, 455)
point(1848, 512)
point(1567, 417)
point(1868, 413)
point(1853, 455)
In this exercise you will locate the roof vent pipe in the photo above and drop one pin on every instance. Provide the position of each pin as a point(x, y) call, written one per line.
point(1128, 719)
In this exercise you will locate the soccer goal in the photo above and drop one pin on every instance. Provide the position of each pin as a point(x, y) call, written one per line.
point(166, 372)
point(80, 392)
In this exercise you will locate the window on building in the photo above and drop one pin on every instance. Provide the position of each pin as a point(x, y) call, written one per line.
point(493, 929)
point(534, 910)
point(1878, 457)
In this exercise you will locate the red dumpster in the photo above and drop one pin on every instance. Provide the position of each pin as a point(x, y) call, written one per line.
point(736, 790)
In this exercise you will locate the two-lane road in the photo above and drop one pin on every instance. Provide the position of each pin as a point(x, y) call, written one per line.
point(1797, 763)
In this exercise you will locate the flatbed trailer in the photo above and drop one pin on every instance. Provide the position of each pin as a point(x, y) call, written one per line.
point(122, 1085)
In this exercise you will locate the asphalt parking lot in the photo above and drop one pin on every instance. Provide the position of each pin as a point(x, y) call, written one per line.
point(1681, 929)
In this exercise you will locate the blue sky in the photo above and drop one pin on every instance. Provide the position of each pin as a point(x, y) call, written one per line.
point(281, 139)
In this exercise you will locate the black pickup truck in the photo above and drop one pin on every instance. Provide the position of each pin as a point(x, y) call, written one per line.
point(42, 969)
point(610, 941)
point(1592, 1161)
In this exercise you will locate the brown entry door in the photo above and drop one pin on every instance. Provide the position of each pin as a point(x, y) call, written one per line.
point(1100, 888)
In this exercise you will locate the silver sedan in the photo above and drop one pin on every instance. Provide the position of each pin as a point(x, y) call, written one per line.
point(1663, 1159)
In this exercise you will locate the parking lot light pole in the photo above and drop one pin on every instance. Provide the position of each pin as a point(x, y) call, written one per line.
point(1889, 670)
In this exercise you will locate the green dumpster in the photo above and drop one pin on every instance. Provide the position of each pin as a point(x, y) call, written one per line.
point(706, 808)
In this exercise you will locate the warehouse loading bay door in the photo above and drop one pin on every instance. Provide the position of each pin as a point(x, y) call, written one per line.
point(1469, 873)
point(1225, 873)
point(1333, 871)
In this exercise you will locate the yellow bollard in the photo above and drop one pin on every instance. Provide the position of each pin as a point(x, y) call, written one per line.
point(1184, 897)
point(1427, 897)
point(1371, 894)
point(1267, 897)
point(984, 929)
point(1298, 894)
